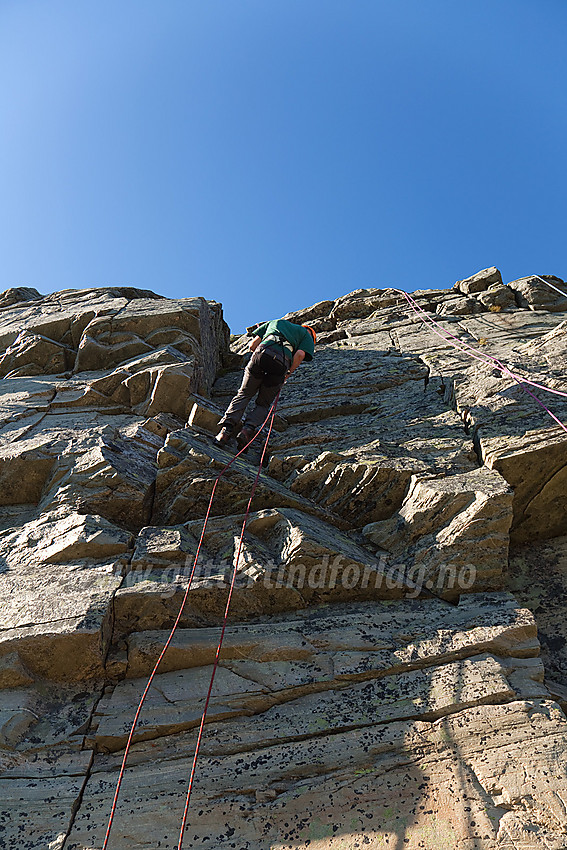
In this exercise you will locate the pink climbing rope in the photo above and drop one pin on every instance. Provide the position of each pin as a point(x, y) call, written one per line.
point(478, 355)
point(482, 356)
point(447, 336)
point(547, 283)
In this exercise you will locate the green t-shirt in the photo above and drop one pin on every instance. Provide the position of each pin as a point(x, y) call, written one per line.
point(298, 336)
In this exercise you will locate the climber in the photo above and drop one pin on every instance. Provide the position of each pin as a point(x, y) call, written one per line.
point(278, 348)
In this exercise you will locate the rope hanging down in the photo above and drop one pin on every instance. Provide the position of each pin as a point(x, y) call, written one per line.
point(466, 348)
point(270, 416)
point(219, 648)
point(547, 283)
point(447, 336)
point(482, 356)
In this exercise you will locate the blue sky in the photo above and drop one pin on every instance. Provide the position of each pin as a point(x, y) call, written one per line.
point(273, 153)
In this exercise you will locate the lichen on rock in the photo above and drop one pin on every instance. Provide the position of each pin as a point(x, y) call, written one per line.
point(379, 684)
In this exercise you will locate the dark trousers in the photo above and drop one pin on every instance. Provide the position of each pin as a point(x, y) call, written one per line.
point(264, 375)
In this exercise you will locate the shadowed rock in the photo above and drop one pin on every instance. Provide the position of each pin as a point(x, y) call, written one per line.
point(350, 708)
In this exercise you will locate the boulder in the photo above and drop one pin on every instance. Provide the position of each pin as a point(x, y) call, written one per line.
point(460, 306)
point(533, 293)
point(343, 683)
point(480, 281)
point(36, 355)
point(451, 533)
point(498, 297)
point(18, 295)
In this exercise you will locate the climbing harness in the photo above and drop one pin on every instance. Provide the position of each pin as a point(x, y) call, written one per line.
point(270, 417)
point(280, 339)
point(447, 336)
point(272, 364)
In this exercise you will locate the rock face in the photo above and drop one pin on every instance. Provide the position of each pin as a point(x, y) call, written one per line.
point(458, 525)
point(380, 681)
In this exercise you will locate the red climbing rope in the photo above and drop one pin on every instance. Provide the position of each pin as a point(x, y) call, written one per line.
point(270, 416)
point(215, 665)
point(447, 336)
point(462, 346)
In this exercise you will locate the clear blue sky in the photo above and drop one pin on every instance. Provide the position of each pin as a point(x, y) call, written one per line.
point(273, 153)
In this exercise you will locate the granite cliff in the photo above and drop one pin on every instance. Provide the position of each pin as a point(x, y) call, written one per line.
point(394, 672)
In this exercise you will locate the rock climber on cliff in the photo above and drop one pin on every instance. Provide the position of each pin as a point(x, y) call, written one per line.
point(278, 348)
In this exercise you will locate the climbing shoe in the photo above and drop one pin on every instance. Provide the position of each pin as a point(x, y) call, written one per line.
point(224, 435)
point(245, 435)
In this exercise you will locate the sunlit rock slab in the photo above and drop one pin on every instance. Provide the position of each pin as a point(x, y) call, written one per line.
point(360, 466)
point(452, 532)
point(363, 667)
point(177, 702)
point(37, 805)
point(468, 780)
point(337, 382)
point(384, 637)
